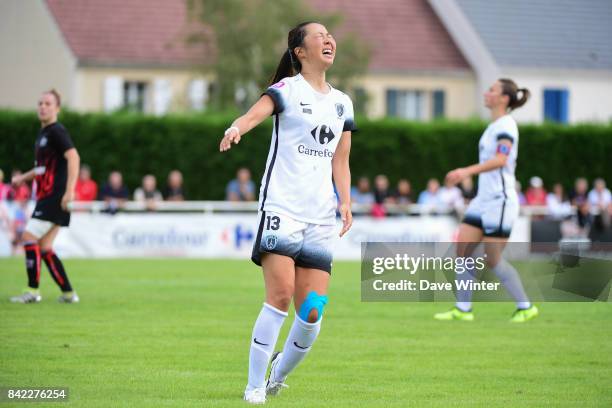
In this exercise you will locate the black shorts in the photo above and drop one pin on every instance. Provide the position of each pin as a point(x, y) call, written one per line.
point(50, 209)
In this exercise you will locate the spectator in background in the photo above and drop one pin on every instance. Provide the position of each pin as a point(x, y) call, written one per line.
point(86, 189)
point(558, 204)
point(451, 198)
point(6, 229)
point(579, 199)
point(382, 194)
point(519, 192)
point(241, 188)
point(403, 193)
point(114, 193)
point(174, 187)
point(20, 219)
point(148, 192)
point(599, 197)
point(21, 192)
point(536, 194)
point(5, 189)
point(600, 203)
point(362, 194)
point(430, 197)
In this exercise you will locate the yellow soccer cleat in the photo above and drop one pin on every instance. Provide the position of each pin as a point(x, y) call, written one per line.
point(523, 315)
point(455, 314)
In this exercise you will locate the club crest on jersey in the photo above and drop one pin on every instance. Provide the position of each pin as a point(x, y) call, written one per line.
point(271, 242)
point(322, 134)
point(503, 149)
point(340, 109)
point(43, 142)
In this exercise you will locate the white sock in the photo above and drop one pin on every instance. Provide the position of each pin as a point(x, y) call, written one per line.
point(265, 333)
point(511, 280)
point(464, 297)
point(299, 342)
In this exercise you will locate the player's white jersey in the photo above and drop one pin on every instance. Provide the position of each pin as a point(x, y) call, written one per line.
point(499, 182)
point(307, 128)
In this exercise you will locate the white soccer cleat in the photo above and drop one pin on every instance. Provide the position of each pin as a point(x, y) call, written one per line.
point(256, 396)
point(274, 387)
point(27, 297)
point(68, 297)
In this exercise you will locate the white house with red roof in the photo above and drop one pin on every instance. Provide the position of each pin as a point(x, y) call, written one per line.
point(430, 58)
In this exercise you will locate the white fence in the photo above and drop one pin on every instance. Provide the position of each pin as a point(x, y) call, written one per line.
point(227, 230)
point(252, 206)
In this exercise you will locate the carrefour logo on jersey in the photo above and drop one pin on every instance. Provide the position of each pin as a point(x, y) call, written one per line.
point(322, 134)
point(302, 149)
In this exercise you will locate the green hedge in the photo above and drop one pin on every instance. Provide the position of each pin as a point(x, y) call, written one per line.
point(136, 145)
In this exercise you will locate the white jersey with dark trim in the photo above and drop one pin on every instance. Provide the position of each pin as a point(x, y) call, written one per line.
point(501, 181)
point(307, 128)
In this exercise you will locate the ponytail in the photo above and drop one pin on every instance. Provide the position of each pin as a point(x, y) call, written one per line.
point(510, 89)
point(525, 94)
point(285, 67)
point(289, 64)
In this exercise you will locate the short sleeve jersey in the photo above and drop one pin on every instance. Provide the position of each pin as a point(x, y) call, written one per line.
point(498, 182)
point(51, 169)
point(307, 128)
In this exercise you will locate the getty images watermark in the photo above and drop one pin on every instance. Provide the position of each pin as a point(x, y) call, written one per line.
point(415, 272)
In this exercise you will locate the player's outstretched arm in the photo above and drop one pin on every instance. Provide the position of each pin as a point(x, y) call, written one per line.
point(24, 178)
point(342, 178)
point(74, 161)
point(500, 159)
point(262, 109)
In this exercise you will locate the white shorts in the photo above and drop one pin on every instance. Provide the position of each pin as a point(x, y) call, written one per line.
point(38, 227)
point(309, 245)
point(495, 216)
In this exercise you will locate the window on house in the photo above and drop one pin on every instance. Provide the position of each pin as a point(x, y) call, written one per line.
point(556, 103)
point(437, 108)
point(197, 94)
point(134, 95)
point(406, 104)
point(360, 102)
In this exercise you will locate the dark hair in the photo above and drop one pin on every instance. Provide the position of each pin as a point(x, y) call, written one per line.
point(510, 88)
point(289, 64)
point(56, 95)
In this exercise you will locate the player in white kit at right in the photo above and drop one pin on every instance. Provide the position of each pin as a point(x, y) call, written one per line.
point(491, 214)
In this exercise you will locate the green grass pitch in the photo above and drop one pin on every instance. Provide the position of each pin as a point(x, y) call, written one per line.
point(176, 333)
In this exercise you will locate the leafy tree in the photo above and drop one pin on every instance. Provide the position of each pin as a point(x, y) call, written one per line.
point(248, 38)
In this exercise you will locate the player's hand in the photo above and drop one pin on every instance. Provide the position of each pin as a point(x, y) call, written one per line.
point(232, 135)
point(347, 218)
point(67, 199)
point(455, 176)
point(17, 180)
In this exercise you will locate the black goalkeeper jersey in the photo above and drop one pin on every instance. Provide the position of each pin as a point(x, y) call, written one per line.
point(51, 168)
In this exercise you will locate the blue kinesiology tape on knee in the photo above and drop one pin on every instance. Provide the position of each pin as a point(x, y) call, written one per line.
point(312, 301)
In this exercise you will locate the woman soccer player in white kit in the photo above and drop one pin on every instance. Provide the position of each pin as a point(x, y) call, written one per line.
point(491, 214)
point(311, 142)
